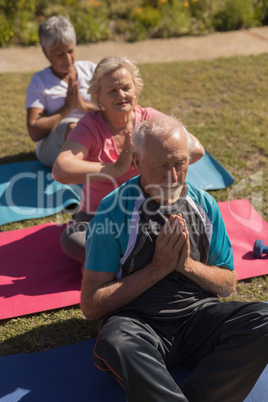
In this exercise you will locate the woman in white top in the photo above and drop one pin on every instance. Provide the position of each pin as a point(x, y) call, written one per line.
point(57, 96)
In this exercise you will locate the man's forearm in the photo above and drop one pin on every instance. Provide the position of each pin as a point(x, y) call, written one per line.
point(99, 299)
point(215, 280)
point(101, 295)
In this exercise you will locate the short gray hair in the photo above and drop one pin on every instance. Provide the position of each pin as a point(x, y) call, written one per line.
point(56, 29)
point(156, 127)
point(107, 65)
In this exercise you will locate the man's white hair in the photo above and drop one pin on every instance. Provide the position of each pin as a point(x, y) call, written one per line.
point(156, 127)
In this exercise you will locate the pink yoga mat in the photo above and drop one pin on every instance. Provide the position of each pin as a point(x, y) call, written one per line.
point(244, 225)
point(35, 275)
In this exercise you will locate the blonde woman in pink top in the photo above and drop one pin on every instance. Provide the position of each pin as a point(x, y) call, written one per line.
point(98, 151)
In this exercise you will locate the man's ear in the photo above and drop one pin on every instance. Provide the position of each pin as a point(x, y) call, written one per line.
point(136, 161)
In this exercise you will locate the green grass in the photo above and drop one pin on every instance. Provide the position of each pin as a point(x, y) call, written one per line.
point(223, 102)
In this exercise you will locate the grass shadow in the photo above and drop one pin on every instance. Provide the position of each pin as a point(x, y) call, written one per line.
point(50, 335)
point(21, 157)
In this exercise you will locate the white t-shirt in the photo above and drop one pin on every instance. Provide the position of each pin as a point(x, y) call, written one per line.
point(47, 91)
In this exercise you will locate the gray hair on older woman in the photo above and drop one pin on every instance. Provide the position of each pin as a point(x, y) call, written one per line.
point(56, 29)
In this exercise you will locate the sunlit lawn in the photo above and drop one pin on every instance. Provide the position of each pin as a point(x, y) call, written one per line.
point(223, 102)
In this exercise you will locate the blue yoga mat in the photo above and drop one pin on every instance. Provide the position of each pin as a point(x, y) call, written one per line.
point(67, 374)
point(209, 174)
point(27, 190)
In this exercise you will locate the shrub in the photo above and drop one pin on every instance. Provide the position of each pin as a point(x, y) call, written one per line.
point(25, 29)
point(261, 11)
point(122, 9)
point(91, 24)
point(202, 12)
point(147, 16)
point(235, 15)
point(136, 31)
point(96, 20)
point(176, 21)
point(142, 21)
point(6, 32)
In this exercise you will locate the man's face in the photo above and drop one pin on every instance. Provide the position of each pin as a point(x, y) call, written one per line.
point(164, 166)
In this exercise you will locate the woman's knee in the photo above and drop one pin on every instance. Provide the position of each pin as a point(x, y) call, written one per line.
point(73, 241)
point(69, 129)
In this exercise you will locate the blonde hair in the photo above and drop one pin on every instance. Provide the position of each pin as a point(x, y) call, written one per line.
point(107, 65)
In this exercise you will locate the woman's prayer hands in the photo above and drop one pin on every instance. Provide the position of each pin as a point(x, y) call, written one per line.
point(72, 93)
point(124, 160)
